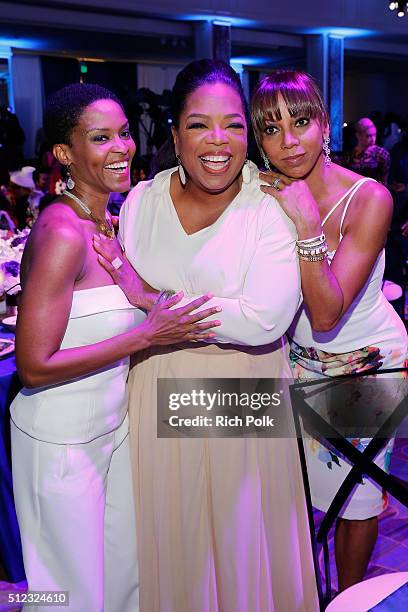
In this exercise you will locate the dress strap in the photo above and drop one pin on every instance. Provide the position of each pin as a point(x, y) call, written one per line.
point(354, 189)
point(350, 192)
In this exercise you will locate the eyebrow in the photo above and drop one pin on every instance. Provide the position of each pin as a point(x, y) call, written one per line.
point(207, 116)
point(98, 129)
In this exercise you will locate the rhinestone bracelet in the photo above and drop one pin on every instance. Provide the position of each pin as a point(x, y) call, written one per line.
point(308, 241)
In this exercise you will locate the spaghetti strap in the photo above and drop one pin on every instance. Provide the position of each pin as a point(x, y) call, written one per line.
point(355, 188)
point(350, 192)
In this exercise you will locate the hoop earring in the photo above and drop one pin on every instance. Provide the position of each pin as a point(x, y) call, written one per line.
point(70, 180)
point(265, 161)
point(326, 151)
point(246, 172)
point(182, 174)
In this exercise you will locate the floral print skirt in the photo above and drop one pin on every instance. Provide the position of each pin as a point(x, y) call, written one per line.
point(327, 469)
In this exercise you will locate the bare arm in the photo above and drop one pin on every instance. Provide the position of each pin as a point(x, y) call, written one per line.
point(57, 253)
point(328, 291)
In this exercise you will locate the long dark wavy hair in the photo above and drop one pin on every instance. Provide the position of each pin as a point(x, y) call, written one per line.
point(193, 76)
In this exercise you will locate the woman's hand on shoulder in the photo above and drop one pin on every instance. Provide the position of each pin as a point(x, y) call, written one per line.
point(113, 259)
point(297, 201)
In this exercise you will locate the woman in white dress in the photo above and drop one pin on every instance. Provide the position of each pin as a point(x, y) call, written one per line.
point(222, 523)
point(75, 330)
point(345, 324)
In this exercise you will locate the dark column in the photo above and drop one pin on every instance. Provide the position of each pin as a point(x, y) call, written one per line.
point(325, 62)
point(336, 87)
point(213, 40)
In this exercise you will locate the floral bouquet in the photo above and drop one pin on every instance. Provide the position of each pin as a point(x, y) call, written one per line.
point(11, 252)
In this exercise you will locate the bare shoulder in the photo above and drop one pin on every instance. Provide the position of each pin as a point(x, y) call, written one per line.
point(58, 223)
point(374, 201)
point(56, 243)
point(371, 199)
point(370, 215)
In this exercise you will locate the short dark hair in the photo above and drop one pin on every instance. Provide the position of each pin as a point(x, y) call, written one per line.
point(65, 107)
point(195, 75)
point(298, 89)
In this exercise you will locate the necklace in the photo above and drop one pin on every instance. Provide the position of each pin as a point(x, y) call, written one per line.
point(105, 227)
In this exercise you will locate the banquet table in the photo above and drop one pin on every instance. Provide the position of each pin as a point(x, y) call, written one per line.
point(10, 544)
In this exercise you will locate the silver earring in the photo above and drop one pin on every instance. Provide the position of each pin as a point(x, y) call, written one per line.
point(266, 161)
point(326, 150)
point(181, 172)
point(70, 180)
point(246, 172)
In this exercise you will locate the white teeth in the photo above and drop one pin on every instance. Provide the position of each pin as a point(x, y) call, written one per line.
point(118, 166)
point(216, 158)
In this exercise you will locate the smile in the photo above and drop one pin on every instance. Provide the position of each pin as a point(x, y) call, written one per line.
point(216, 163)
point(118, 167)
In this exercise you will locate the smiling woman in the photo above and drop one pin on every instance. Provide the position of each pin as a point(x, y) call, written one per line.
point(212, 534)
point(75, 332)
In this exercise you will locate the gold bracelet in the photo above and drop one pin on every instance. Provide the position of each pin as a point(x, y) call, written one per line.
point(321, 257)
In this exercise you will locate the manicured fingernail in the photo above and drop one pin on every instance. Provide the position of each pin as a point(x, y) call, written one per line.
point(218, 309)
point(217, 322)
point(209, 295)
point(102, 236)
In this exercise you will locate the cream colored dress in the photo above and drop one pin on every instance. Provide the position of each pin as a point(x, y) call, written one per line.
point(222, 523)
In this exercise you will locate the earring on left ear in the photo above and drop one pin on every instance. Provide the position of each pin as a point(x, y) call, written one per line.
point(246, 172)
point(70, 180)
point(326, 151)
point(182, 174)
point(265, 160)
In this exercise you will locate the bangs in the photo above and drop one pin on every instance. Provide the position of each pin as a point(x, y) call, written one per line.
point(299, 92)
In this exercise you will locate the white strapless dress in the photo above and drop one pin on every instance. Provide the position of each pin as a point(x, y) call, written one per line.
point(89, 406)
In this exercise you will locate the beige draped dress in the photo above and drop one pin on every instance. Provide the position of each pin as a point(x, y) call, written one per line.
point(222, 524)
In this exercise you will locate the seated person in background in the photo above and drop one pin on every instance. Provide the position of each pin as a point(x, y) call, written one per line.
point(20, 188)
point(6, 221)
point(366, 157)
point(41, 179)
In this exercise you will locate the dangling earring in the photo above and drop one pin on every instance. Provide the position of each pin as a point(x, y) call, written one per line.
point(70, 180)
point(326, 149)
point(181, 172)
point(266, 161)
point(246, 172)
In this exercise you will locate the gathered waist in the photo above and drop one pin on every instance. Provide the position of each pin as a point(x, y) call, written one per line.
point(220, 348)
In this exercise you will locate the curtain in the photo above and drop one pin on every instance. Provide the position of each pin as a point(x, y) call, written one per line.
point(26, 78)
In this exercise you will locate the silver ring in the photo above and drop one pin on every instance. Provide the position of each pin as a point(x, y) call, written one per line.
point(275, 183)
point(117, 263)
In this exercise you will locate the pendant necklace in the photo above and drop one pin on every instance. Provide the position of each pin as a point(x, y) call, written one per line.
point(105, 227)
